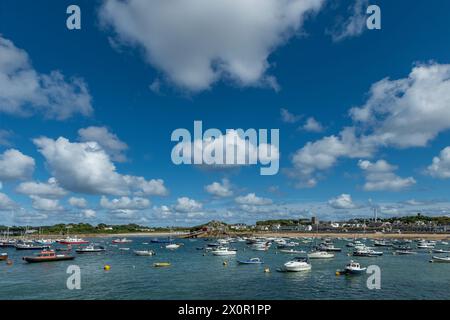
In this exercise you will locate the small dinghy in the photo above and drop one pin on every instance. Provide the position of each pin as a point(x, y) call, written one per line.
point(251, 261)
point(144, 253)
point(161, 264)
point(172, 246)
point(440, 259)
point(3, 256)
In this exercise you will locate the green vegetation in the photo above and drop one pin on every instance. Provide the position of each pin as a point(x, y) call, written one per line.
point(85, 228)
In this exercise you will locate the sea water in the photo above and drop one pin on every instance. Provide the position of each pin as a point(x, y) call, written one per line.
point(194, 274)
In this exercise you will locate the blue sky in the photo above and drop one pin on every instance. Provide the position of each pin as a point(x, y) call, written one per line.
point(130, 77)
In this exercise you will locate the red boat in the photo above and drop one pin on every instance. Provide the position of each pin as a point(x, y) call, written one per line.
point(48, 256)
point(3, 256)
point(73, 241)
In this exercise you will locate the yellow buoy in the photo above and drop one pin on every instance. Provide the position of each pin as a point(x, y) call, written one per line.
point(107, 267)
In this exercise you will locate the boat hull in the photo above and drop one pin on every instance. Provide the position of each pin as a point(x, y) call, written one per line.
point(441, 259)
point(31, 248)
point(73, 242)
point(90, 251)
point(229, 253)
point(47, 259)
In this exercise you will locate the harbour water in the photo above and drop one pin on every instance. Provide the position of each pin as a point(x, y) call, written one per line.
point(194, 274)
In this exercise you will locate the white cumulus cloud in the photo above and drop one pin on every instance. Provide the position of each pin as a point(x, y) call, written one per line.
point(380, 176)
point(79, 203)
point(220, 189)
point(51, 189)
point(15, 165)
point(107, 140)
point(344, 201)
point(84, 167)
point(252, 199)
point(24, 91)
point(195, 43)
point(440, 167)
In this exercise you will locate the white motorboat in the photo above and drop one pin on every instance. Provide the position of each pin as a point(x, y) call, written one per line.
point(120, 241)
point(366, 252)
point(144, 253)
point(296, 265)
point(223, 251)
point(172, 246)
point(90, 249)
point(352, 268)
point(425, 246)
point(260, 246)
point(329, 247)
point(292, 251)
point(440, 259)
point(45, 241)
point(320, 255)
point(382, 243)
point(440, 251)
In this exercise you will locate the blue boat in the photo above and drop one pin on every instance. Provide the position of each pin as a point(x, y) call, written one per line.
point(251, 261)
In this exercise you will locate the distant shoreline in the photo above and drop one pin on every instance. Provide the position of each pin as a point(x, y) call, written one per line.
point(431, 236)
point(435, 236)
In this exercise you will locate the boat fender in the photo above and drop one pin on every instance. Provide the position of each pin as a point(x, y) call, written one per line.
point(107, 267)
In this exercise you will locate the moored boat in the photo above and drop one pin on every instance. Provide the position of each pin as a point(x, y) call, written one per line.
point(251, 261)
point(90, 249)
point(122, 240)
point(382, 243)
point(296, 265)
point(30, 246)
point(320, 255)
point(144, 253)
point(440, 251)
point(352, 268)
point(440, 259)
point(47, 256)
point(223, 251)
point(367, 253)
point(292, 251)
point(173, 246)
point(73, 241)
point(3, 256)
point(161, 264)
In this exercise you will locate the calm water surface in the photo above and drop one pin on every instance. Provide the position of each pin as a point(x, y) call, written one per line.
point(194, 275)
